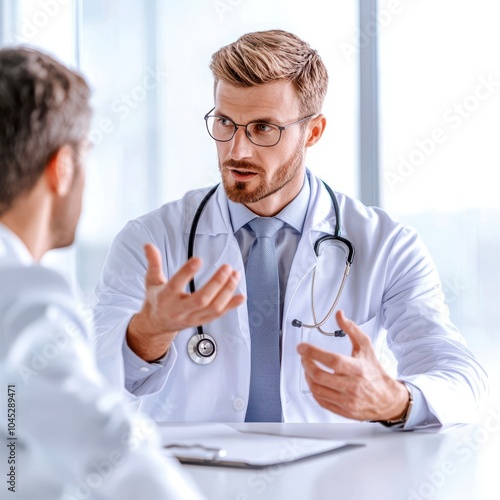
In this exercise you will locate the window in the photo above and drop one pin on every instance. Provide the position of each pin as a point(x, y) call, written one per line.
point(192, 31)
point(147, 63)
point(440, 124)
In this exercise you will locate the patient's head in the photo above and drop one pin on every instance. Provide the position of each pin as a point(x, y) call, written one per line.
point(44, 122)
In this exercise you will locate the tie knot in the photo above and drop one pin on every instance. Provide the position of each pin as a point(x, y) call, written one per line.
point(265, 227)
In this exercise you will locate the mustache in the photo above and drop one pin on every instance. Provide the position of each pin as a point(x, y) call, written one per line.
point(242, 165)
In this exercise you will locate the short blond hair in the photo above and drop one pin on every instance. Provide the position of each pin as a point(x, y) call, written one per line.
point(268, 56)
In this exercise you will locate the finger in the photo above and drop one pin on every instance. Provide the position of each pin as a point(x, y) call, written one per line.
point(154, 272)
point(336, 396)
point(324, 389)
point(207, 316)
point(221, 300)
point(340, 383)
point(224, 301)
point(222, 279)
point(360, 341)
point(332, 406)
point(316, 373)
point(337, 362)
point(327, 396)
point(235, 301)
point(179, 281)
point(218, 307)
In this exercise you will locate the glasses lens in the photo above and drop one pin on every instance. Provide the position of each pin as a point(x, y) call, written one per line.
point(263, 134)
point(220, 128)
point(260, 133)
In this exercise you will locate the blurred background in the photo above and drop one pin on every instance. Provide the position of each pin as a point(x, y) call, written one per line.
point(413, 118)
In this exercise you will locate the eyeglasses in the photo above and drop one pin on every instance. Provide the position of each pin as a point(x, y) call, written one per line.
point(264, 134)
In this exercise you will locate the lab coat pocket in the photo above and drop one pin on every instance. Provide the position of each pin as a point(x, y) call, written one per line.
point(338, 345)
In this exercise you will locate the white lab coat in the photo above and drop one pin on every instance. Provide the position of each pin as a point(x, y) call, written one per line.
point(75, 437)
point(393, 293)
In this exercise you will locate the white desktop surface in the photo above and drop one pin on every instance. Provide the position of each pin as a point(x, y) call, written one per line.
point(459, 463)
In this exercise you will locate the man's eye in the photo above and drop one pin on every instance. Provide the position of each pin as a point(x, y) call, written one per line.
point(224, 122)
point(262, 128)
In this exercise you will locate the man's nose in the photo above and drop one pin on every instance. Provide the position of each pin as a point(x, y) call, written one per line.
point(241, 147)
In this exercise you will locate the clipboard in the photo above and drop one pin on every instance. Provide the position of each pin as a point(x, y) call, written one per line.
point(220, 445)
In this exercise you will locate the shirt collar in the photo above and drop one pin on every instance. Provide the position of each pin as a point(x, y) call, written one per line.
point(294, 214)
point(12, 248)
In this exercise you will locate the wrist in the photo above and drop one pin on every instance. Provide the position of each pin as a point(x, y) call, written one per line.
point(403, 417)
point(144, 341)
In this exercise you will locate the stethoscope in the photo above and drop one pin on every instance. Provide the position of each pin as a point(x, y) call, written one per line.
point(202, 348)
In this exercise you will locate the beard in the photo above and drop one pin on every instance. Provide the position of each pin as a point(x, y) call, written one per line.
point(241, 192)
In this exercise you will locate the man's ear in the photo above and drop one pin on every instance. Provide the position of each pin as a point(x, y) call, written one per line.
point(315, 130)
point(60, 170)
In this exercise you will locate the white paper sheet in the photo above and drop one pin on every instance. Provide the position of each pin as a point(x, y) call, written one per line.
point(219, 444)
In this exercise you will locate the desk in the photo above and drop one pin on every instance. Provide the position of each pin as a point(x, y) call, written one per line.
point(460, 463)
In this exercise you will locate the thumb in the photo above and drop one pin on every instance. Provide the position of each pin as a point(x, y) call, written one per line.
point(360, 342)
point(154, 273)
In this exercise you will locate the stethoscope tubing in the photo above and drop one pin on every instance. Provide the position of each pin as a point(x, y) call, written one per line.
point(199, 341)
point(192, 236)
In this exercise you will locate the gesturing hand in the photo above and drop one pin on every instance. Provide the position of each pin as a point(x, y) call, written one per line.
point(359, 388)
point(168, 308)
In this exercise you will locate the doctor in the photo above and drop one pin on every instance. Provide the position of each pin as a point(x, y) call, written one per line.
point(260, 360)
point(66, 433)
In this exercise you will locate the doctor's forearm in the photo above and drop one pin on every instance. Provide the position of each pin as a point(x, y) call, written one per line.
point(146, 343)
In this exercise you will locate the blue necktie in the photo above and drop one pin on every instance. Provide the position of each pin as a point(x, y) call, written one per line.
point(263, 302)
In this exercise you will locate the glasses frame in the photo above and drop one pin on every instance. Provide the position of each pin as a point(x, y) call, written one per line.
point(238, 125)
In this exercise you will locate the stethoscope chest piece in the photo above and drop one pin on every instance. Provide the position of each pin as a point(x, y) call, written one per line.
point(202, 349)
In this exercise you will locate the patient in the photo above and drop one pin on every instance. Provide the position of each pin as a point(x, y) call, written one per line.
point(68, 436)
